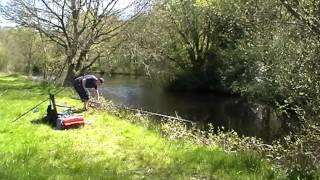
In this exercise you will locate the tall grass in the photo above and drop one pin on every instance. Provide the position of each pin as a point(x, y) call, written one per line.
point(110, 148)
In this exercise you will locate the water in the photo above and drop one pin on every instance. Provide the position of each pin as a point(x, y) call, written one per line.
point(231, 112)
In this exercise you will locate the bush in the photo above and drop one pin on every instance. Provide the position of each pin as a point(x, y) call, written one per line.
point(299, 154)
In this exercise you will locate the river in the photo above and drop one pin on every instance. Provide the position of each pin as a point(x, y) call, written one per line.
point(250, 119)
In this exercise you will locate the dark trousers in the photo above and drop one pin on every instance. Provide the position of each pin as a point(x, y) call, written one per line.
point(77, 84)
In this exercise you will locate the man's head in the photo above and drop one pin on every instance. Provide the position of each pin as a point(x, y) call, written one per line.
point(100, 81)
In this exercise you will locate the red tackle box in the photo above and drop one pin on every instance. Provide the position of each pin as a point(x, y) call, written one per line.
point(70, 122)
point(73, 121)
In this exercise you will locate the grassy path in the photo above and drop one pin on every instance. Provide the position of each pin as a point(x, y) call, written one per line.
point(111, 148)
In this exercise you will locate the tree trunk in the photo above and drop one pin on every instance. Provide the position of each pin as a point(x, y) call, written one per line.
point(45, 71)
point(28, 69)
point(70, 75)
point(29, 63)
point(267, 127)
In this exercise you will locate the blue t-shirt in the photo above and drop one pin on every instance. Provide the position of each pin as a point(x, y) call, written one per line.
point(90, 81)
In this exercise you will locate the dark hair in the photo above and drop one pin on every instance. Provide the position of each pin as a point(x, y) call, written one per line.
point(101, 80)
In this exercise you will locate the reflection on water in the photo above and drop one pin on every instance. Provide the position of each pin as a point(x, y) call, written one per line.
point(230, 112)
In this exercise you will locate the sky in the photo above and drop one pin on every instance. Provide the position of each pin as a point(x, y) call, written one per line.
point(4, 23)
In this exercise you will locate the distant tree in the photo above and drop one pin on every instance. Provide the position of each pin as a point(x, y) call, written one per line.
point(25, 39)
point(183, 37)
point(18, 49)
point(78, 26)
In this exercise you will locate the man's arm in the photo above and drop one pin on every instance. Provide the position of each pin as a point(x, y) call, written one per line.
point(97, 92)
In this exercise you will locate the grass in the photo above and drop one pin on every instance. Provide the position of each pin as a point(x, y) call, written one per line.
point(110, 148)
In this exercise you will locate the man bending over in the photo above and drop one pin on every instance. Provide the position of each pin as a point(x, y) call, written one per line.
point(81, 85)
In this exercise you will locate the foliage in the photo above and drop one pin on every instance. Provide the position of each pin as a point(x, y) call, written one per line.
point(111, 147)
point(181, 38)
point(25, 51)
point(299, 154)
point(17, 47)
point(76, 26)
point(255, 48)
point(266, 51)
point(277, 64)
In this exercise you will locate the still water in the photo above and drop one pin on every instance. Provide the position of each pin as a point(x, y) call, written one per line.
point(231, 112)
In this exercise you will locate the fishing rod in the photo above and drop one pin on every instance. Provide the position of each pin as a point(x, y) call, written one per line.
point(4, 92)
point(34, 107)
point(154, 114)
point(139, 110)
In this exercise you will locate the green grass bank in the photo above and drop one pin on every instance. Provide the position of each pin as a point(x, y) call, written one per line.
point(110, 148)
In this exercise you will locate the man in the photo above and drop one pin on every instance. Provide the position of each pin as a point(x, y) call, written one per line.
point(81, 84)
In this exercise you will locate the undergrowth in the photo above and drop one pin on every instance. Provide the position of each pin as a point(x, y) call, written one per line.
point(118, 145)
point(298, 155)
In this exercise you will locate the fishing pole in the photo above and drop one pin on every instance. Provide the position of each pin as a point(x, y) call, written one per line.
point(4, 92)
point(142, 111)
point(154, 114)
point(34, 107)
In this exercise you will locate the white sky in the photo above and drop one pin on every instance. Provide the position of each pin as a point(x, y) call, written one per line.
point(4, 23)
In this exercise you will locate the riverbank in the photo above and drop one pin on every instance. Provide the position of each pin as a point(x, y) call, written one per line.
point(111, 148)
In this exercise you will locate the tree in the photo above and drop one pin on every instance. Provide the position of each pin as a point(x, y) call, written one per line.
point(184, 38)
point(25, 38)
point(18, 47)
point(306, 12)
point(78, 26)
